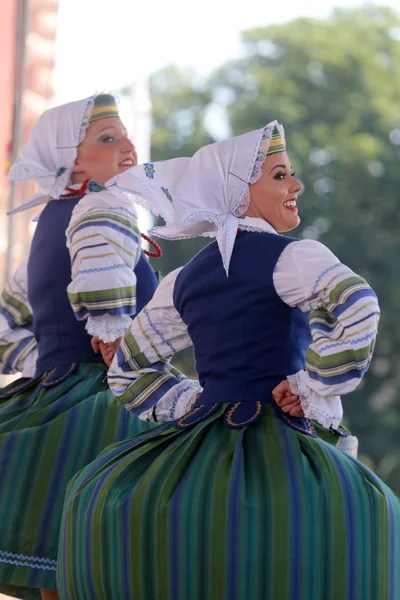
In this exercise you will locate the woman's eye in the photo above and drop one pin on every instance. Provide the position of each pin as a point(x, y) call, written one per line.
point(108, 139)
point(280, 176)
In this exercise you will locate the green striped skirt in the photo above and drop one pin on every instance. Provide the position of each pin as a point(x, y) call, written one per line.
point(212, 513)
point(49, 432)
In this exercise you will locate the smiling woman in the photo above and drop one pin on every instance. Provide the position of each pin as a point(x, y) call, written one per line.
point(278, 180)
point(85, 279)
point(253, 492)
point(104, 152)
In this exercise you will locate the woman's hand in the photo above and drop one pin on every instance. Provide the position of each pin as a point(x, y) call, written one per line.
point(107, 352)
point(95, 342)
point(106, 349)
point(286, 400)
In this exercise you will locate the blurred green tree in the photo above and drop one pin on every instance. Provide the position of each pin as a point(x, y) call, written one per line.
point(335, 85)
point(180, 101)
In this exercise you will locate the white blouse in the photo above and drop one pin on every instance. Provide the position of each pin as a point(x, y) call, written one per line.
point(18, 347)
point(343, 319)
point(105, 246)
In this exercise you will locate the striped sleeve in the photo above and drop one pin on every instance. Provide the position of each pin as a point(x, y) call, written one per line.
point(18, 348)
point(343, 317)
point(104, 244)
point(140, 376)
point(344, 325)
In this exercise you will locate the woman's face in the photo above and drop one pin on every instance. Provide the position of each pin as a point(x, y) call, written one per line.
point(104, 152)
point(273, 197)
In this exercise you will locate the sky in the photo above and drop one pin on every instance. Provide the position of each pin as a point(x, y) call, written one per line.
point(103, 44)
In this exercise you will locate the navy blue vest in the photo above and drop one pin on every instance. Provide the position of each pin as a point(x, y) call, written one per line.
point(246, 339)
point(62, 339)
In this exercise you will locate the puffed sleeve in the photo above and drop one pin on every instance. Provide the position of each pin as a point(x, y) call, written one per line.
point(343, 314)
point(140, 376)
point(104, 244)
point(18, 347)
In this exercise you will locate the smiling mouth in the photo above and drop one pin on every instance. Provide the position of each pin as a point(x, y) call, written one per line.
point(128, 162)
point(291, 204)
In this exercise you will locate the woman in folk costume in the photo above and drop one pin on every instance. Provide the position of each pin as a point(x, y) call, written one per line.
point(85, 279)
point(248, 494)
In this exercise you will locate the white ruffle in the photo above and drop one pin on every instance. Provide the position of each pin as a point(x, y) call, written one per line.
point(328, 411)
point(263, 148)
point(178, 400)
point(259, 158)
point(107, 327)
point(84, 120)
point(187, 399)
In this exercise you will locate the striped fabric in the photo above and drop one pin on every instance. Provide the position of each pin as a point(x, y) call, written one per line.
point(268, 145)
point(104, 244)
point(17, 343)
point(142, 378)
point(16, 348)
point(142, 391)
point(343, 316)
point(344, 325)
point(261, 512)
point(48, 434)
point(179, 515)
point(277, 143)
point(133, 348)
point(104, 106)
point(116, 302)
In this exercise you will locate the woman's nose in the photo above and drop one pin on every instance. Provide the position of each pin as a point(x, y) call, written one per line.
point(297, 185)
point(128, 146)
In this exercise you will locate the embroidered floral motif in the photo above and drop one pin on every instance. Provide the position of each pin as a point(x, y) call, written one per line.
point(149, 170)
point(166, 192)
point(93, 186)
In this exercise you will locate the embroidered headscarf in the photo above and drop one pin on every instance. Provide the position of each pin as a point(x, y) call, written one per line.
point(204, 195)
point(50, 153)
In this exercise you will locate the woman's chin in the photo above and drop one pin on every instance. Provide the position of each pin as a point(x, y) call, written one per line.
point(289, 224)
point(296, 222)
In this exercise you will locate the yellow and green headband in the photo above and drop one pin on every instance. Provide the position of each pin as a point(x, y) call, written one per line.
point(277, 143)
point(104, 106)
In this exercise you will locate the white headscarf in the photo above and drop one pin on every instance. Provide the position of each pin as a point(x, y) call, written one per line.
point(203, 195)
point(50, 153)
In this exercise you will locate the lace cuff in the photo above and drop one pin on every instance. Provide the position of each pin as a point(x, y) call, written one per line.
point(178, 400)
point(107, 327)
point(327, 411)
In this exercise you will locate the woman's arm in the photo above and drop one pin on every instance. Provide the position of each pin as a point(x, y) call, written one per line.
point(343, 316)
point(104, 244)
point(18, 347)
point(140, 376)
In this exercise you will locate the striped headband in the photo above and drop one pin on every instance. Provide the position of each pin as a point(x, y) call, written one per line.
point(277, 143)
point(104, 106)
